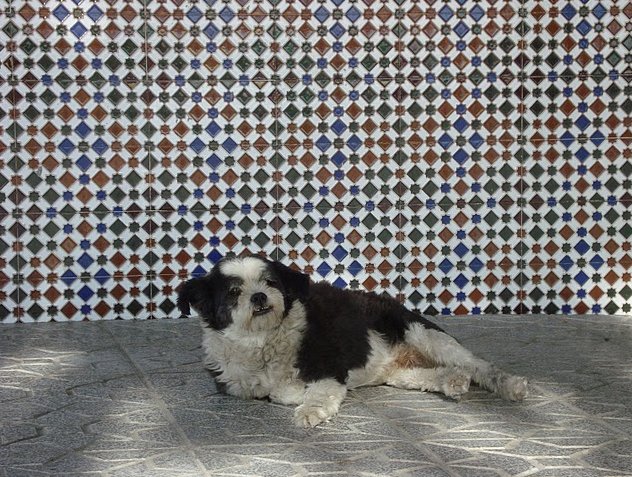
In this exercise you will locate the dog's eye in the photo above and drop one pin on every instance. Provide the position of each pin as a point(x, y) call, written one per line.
point(272, 283)
point(234, 291)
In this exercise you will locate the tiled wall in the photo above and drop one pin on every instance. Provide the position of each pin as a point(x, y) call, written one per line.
point(465, 156)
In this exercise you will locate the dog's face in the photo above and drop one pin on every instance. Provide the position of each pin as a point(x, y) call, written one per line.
point(249, 293)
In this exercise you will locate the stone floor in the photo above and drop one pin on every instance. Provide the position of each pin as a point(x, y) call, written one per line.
point(131, 399)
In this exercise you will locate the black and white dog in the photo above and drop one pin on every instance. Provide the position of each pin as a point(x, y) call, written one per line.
point(270, 332)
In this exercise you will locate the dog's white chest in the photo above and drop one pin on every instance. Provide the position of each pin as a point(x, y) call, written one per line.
point(251, 365)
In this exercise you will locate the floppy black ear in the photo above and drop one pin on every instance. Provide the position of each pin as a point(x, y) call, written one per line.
point(295, 283)
point(190, 293)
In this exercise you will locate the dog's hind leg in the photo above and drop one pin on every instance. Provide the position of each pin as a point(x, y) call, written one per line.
point(453, 382)
point(446, 351)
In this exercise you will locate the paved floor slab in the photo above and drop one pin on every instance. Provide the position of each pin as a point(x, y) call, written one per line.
point(132, 399)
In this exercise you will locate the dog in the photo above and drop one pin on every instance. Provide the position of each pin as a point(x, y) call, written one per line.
point(270, 332)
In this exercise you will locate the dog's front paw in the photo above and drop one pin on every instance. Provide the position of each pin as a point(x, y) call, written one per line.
point(513, 388)
point(312, 415)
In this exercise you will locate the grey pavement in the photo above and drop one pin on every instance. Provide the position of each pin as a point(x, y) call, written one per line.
point(130, 398)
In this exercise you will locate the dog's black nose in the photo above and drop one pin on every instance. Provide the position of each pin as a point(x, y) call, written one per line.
point(259, 299)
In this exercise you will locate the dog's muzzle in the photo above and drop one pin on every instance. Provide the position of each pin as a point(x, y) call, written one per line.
point(260, 302)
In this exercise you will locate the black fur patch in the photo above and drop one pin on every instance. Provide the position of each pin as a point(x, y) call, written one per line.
point(209, 296)
point(338, 322)
point(292, 284)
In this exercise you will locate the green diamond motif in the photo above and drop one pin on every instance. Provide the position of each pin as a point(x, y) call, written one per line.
point(50, 196)
point(354, 79)
point(370, 221)
point(384, 110)
point(164, 113)
point(292, 112)
point(369, 190)
point(10, 29)
point(146, 31)
point(148, 130)
point(551, 217)
point(261, 176)
point(51, 229)
point(35, 246)
point(46, 63)
point(369, 95)
point(260, 112)
point(244, 97)
point(246, 193)
point(113, 63)
point(162, 47)
point(308, 191)
point(308, 223)
point(262, 239)
point(182, 194)
point(430, 94)
point(246, 224)
point(477, 77)
point(228, 80)
point(384, 47)
point(31, 113)
point(306, 63)
point(491, 218)
point(430, 219)
point(118, 227)
point(368, 62)
point(132, 113)
point(626, 292)
point(98, 81)
point(400, 30)
point(129, 47)
point(307, 95)
point(258, 47)
point(28, 46)
point(196, 80)
point(117, 195)
point(243, 63)
point(179, 64)
point(290, 47)
point(322, 79)
point(275, 31)
point(64, 80)
point(180, 96)
point(385, 236)
point(15, 131)
point(293, 239)
point(115, 97)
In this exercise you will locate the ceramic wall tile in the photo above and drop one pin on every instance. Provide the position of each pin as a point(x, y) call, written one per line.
point(464, 157)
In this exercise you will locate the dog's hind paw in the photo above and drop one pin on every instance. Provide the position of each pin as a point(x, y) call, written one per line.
point(513, 388)
point(456, 384)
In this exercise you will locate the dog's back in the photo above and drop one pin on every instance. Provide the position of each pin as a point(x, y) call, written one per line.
point(338, 326)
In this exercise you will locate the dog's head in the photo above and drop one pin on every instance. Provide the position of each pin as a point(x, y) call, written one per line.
point(251, 293)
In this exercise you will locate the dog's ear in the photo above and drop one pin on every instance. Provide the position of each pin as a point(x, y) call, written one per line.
point(295, 283)
point(191, 292)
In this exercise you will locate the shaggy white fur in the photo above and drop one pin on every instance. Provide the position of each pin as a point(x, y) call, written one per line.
point(322, 402)
point(256, 364)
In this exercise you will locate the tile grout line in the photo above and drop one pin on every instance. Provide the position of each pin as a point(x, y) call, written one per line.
point(521, 263)
point(151, 274)
point(561, 397)
point(436, 459)
point(15, 160)
point(189, 446)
